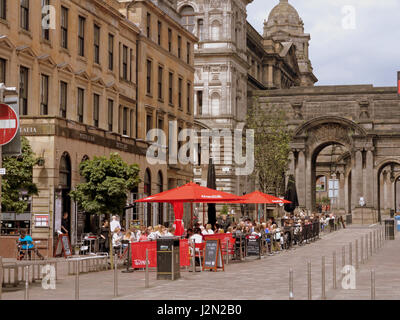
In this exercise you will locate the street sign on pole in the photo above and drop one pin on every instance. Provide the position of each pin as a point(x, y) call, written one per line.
point(9, 124)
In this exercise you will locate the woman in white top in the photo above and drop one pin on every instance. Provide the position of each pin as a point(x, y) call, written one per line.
point(209, 229)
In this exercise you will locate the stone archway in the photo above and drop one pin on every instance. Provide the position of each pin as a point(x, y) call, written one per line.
point(314, 135)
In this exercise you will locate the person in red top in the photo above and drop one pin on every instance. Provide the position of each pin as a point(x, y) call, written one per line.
point(144, 236)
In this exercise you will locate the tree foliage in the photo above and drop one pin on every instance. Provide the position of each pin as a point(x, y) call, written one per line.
point(271, 146)
point(18, 177)
point(108, 180)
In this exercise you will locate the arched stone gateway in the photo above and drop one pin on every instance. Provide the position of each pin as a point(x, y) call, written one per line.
point(341, 151)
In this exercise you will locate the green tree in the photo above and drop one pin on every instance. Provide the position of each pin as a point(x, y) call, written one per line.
point(271, 146)
point(18, 177)
point(107, 183)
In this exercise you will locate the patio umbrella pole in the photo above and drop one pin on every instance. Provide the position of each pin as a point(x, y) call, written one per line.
point(191, 215)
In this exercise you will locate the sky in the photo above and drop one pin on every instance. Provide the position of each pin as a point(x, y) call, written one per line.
point(352, 41)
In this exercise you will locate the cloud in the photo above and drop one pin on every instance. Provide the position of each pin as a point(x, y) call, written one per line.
point(369, 53)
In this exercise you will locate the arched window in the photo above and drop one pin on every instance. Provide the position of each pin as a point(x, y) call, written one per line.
point(215, 104)
point(147, 182)
point(187, 14)
point(65, 171)
point(215, 30)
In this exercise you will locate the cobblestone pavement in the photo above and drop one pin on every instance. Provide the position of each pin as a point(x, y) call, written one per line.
point(249, 280)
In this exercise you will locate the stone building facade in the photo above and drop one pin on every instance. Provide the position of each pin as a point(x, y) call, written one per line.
point(82, 94)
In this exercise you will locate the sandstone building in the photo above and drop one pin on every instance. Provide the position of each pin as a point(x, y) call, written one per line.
point(87, 89)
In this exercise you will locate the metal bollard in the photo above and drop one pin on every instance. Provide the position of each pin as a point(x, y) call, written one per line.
point(1, 276)
point(115, 276)
point(350, 253)
point(26, 282)
point(323, 295)
point(172, 264)
point(362, 250)
point(194, 257)
point(366, 248)
point(227, 252)
point(356, 254)
point(370, 244)
point(334, 269)
point(76, 280)
point(309, 280)
point(343, 256)
point(373, 285)
point(146, 276)
point(291, 294)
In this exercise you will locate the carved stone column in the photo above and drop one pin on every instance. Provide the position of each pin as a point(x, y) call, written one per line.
point(369, 179)
point(356, 179)
point(301, 178)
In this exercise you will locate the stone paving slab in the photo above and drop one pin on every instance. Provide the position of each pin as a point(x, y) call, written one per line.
point(252, 279)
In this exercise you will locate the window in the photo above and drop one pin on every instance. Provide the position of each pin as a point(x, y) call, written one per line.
point(149, 123)
point(81, 36)
point(215, 30)
point(169, 40)
point(110, 52)
point(24, 14)
point(200, 30)
point(180, 93)
point(188, 53)
point(3, 9)
point(23, 90)
point(199, 102)
point(188, 96)
point(215, 101)
point(148, 25)
point(64, 27)
point(45, 31)
point(187, 14)
point(320, 184)
point(131, 123)
point(160, 124)
point(110, 114)
point(81, 101)
point(159, 25)
point(148, 78)
point(44, 95)
point(125, 121)
point(96, 44)
point(2, 71)
point(63, 99)
point(170, 87)
point(179, 46)
point(125, 62)
point(96, 109)
point(160, 83)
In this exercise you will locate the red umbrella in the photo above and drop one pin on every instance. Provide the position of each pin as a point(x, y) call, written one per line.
point(190, 192)
point(259, 197)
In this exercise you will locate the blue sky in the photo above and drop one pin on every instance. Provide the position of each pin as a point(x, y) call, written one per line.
point(366, 54)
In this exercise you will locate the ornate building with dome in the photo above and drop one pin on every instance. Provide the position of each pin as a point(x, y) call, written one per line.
point(346, 138)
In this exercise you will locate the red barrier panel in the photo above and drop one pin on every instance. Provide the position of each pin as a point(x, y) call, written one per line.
point(138, 250)
point(224, 237)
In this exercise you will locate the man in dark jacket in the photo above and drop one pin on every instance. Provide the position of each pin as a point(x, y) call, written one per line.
point(224, 222)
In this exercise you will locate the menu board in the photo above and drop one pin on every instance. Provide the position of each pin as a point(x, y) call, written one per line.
point(63, 245)
point(253, 246)
point(213, 255)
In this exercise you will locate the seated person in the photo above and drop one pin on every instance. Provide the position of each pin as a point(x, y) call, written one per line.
point(116, 238)
point(197, 238)
point(25, 243)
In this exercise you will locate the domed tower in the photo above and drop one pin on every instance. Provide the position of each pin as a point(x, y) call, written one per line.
point(285, 25)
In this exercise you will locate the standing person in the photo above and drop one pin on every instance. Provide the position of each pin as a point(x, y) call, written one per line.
point(65, 224)
point(104, 234)
point(114, 224)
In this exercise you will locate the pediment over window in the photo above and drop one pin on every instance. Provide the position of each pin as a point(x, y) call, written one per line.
point(26, 51)
point(5, 42)
point(46, 59)
point(111, 86)
point(66, 67)
point(98, 81)
point(82, 74)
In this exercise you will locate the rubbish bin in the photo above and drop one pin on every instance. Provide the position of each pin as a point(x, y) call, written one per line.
point(397, 218)
point(389, 229)
point(165, 260)
point(391, 213)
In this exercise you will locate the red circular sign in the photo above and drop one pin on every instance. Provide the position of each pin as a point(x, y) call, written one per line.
point(9, 124)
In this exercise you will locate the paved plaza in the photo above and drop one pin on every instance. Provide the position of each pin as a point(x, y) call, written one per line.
point(249, 280)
